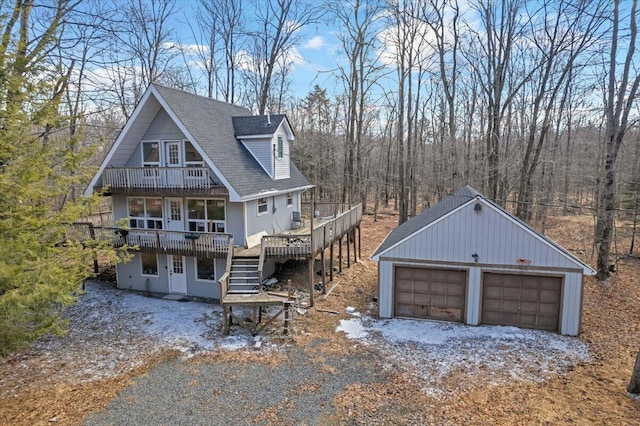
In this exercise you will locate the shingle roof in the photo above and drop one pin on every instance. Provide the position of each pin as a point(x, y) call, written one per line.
point(210, 122)
point(257, 124)
point(452, 202)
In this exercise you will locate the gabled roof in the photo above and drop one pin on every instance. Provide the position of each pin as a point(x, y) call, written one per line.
point(257, 125)
point(464, 196)
point(413, 225)
point(209, 124)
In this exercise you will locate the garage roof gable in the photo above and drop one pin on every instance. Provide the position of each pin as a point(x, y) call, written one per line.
point(460, 230)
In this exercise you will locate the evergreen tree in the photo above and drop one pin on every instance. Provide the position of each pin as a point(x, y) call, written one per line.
point(40, 273)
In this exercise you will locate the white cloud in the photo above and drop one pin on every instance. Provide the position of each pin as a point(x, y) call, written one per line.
point(315, 43)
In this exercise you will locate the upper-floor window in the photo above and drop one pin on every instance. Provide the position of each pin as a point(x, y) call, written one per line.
point(206, 215)
point(289, 199)
point(150, 153)
point(145, 213)
point(280, 147)
point(192, 157)
point(262, 205)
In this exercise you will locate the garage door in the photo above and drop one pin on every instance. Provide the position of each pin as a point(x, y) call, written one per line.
point(430, 293)
point(521, 300)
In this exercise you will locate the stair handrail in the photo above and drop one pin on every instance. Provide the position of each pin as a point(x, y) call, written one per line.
point(261, 263)
point(224, 279)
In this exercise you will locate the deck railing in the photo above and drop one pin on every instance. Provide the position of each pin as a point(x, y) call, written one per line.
point(198, 244)
point(224, 279)
point(324, 234)
point(156, 178)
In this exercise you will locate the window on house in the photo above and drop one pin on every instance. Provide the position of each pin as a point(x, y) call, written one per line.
point(145, 213)
point(150, 154)
point(262, 205)
point(206, 215)
point(206, 269)
point(289, 199)
point(191, 156)
point(280, 147)
point(149, 264)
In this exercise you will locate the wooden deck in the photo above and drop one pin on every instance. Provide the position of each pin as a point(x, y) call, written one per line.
point(255, 302)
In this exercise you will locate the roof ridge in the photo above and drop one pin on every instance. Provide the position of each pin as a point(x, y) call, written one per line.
point(206, 98)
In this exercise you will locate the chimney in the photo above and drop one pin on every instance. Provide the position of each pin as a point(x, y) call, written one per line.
point(268, 119)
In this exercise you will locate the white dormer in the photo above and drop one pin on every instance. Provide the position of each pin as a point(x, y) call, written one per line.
point(268, 138)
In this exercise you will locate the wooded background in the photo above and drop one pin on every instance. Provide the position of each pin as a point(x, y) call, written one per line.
point(532, 103)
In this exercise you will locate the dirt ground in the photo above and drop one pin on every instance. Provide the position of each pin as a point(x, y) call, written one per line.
point(592, 392)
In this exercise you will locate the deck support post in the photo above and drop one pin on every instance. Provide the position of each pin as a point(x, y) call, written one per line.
point(331, 261)
point(340, 255)
point(355, 252)
point(348, 249)
point(323, 272)
point(311, 260)
point(359, 242)
point(96, 267)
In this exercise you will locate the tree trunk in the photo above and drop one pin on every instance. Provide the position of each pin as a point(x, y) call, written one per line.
point(634, 384)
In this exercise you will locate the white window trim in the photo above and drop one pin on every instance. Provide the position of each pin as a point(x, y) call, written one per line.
point(289, 206)
point(145, 218)
point(160, 155)
point(266, 204)
point(279, 152)
point(195, 268)
point(157, 267)
point(191, 163)
point(186, 213)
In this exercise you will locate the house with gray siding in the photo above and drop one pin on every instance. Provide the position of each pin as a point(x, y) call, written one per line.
point(192, 179)
point(468, 260)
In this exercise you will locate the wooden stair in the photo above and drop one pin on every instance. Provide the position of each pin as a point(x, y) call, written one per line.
point(244, 276)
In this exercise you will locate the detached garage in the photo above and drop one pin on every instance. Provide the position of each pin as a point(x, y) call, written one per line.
point(467, 260)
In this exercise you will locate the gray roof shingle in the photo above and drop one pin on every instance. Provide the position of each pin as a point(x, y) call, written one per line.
point(211, 124)
point(257, 124)
point(452, 202)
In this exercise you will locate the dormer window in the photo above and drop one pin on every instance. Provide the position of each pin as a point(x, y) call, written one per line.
point(280, 147)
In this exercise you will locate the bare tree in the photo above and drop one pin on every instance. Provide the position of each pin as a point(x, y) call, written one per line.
point(621, 92)
point(560, 36)
point(142, 50)
point(278, 25)
point(219, 31)
point(358, 22)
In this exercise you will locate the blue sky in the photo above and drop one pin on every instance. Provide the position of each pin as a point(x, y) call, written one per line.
point(317, 50)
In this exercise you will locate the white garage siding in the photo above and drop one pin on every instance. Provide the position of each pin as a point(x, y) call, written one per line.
point(491, 234)
point(571, 290)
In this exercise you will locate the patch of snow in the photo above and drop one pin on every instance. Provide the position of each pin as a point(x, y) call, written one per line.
point(112, 331)
point(353, 329)
point(432, 350)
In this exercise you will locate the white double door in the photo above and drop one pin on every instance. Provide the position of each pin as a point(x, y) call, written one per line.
point(174, 208)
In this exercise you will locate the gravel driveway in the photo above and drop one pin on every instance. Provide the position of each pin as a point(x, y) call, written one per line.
point(298, 391)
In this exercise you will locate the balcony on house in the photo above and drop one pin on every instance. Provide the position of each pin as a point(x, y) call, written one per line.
point(182, 243)
point(168, 180)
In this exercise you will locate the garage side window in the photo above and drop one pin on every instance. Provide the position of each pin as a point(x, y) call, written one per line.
point(149, 264)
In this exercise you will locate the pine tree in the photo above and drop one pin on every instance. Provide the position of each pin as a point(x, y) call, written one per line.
point(40, 273)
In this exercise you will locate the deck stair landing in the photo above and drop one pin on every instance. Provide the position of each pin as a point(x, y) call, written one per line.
point(244, 276)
